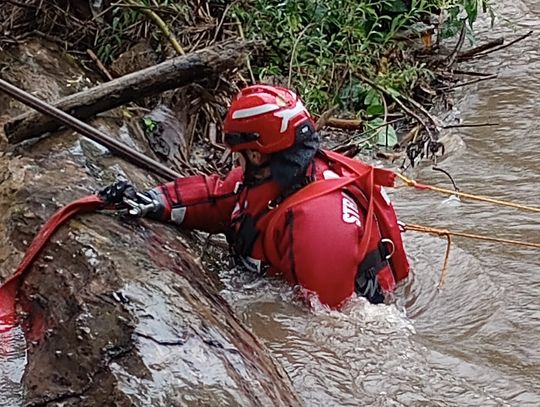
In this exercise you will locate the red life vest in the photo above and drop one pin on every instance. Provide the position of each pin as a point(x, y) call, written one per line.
point(365, 183)
point(335, 235)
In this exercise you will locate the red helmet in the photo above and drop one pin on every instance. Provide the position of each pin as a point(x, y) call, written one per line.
point(264, 118)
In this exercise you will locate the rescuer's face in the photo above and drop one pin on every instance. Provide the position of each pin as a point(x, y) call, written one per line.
point(251, 159)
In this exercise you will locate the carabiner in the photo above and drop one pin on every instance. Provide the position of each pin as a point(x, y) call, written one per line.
point(385, 240)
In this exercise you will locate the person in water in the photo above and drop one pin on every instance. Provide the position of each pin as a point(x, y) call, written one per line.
point(318, 219)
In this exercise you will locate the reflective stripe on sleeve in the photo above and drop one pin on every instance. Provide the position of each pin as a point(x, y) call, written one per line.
point(178, 215)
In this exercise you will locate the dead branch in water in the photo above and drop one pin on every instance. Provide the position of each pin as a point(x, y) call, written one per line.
point(489, 47)
point(471, 73)
point(461, 40)
point(468, 54)
point(460, 85)
point(459, 126)
point(524, 36)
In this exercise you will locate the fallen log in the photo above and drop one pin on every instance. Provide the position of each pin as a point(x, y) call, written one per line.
point(346, 124)
point(168, 75)
point(115, 146)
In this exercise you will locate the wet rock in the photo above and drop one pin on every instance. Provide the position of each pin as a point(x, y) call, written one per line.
point(121, 313)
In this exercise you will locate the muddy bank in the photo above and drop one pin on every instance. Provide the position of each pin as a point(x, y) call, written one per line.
point(130, 316)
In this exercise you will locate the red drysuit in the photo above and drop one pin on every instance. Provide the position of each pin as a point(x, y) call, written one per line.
point(320, 242)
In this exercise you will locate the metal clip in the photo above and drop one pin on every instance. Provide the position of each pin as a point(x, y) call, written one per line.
point(142, 206)
point(388, 256)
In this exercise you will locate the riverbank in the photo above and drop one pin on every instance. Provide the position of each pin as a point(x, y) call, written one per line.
point(370, 73)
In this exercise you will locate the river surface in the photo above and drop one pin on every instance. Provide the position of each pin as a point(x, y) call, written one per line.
point(476, 342)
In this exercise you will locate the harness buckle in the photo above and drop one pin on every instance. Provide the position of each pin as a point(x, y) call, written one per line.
point(238, 187)
point(385, 240)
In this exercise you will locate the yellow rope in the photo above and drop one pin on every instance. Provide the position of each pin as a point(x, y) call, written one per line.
point(412, 183)
point(444, 270)
point(448, 235)
point(444, 232)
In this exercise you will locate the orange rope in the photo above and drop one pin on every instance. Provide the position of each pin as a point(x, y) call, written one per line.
point(412, 183)
point(444, 232)
point(444, 270)
point(448, 235)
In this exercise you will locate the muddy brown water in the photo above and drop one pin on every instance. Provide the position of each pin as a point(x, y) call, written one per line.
point(476, 342)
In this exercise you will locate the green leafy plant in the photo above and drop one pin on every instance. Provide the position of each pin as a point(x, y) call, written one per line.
point(126, 21)
point(320, 44)
point(319, 47)
point(459, 12)
point(114, 37)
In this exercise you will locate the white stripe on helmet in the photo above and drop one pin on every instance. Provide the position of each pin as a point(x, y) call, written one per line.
point(288, 114)
point(255, 111)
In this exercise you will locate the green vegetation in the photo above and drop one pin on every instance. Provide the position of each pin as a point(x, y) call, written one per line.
point(367, 58)
point(112, 39)
point(327, 49)
point(127, 23)
point(319, 47)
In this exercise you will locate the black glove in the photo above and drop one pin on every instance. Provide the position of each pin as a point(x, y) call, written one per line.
point(116, 193)
point(137, 204)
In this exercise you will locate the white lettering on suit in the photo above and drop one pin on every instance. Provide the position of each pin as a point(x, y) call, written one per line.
point(350, 210)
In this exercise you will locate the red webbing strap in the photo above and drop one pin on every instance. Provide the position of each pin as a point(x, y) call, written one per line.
point(311, 191)
point(365, 239)
point(377, 176)
point(8, 290)
point(381, 176)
